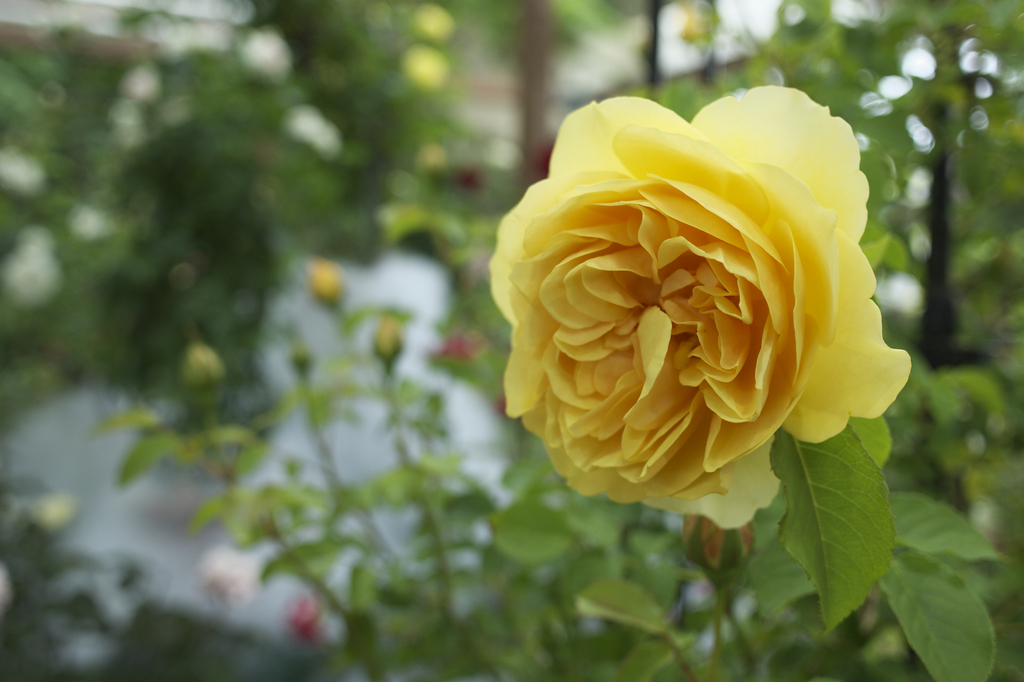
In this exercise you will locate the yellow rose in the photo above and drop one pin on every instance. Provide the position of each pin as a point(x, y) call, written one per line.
point(425, 66)
point(433, 22)
point(679, 291)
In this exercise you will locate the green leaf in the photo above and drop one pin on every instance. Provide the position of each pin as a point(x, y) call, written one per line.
point(776, 578)
point(250, 457)
point(145, 453)
point(837, 523)
point(645, 661)
point(362, 589)
point(930, 526)
point(623, 602)
point(531, 533)
point(875, 251)
point(594, 524)
point(874, 436)
point(135, 418)
point(210, 510)
point(944, 622)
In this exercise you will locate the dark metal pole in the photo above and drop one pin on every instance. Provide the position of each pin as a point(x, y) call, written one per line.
point(653, 72)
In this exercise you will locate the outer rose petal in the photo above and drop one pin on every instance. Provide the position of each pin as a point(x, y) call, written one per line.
point(585, 139)
point(540, 198)
point(753, 486)
point(857, 375)
point(785, 128)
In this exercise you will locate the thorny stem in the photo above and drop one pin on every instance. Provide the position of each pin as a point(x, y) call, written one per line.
point(741, 639)
point(270, 528)
point(436, 535)
point(721, 597)
point(680, 659)
point(330, 470)
point(429, 518)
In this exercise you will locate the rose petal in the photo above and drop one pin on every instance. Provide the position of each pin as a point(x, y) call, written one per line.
point(783, 127)
point(858, 375)
point(584, 141)
point(753, 486)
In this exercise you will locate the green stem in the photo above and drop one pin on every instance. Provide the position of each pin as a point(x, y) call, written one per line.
point(677, 653)
point(721, 598)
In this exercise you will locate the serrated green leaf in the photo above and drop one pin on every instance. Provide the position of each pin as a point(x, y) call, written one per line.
point(874, 436)
point(624, 602)
point(645, 661)
point(875, 251)
point(837, 523)
point(945, 623)
point(135, 418)
point(531, 533)
point(932, 527)
point(776, 578)
point(145, 453)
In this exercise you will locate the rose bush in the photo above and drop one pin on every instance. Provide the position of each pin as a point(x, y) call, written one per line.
point(679, 291)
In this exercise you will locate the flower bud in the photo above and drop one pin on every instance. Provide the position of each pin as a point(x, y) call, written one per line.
point(202, 368)
point(720, 552)
point(301, 358)
point(326, 280)
point(387, 343)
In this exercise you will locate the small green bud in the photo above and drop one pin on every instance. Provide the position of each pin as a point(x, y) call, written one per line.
point(387, 342)
point(301, 357)
point(202, 368)
point(720, 552)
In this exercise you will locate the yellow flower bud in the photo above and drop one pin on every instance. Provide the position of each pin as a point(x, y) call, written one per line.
point(387, 343)
point(326, 280)
point(720, 552)
point(432, 22)
point(202, 368)
point(426, 67)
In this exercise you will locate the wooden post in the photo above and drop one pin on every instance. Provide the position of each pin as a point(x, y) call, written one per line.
point(534, 57)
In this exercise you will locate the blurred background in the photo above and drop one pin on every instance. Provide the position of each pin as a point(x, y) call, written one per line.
point(172, 172)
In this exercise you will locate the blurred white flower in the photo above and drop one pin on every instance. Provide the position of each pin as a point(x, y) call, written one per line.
point(899, 293)
point(21, 174)
point(894, 87)
point(6, 589)
point(129, 125)
point(88, 223)
point(141, 83)
point(306, 124)
point(229, 575)
point(31, 274)
point(266, 53)
point(53, 512)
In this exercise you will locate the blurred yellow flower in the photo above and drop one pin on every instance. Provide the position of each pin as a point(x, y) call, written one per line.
point(679, 291)
point(426, 67)
point(431, 157)
point(53, 512)
point(432, 22)
point(325, 280)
